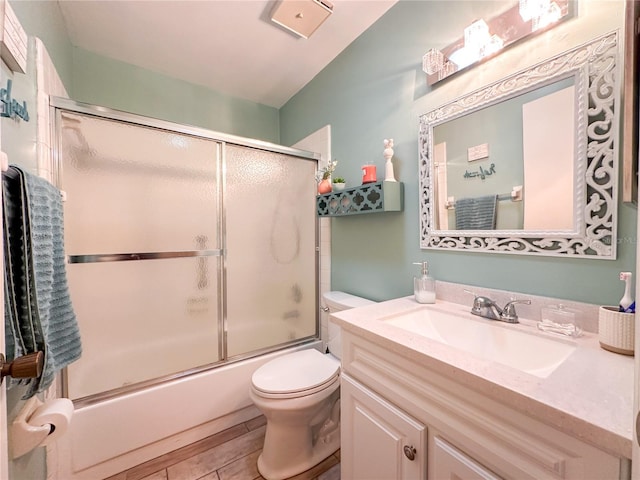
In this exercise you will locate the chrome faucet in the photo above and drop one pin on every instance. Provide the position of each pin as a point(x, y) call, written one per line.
point(487, 308)
point(509, 314)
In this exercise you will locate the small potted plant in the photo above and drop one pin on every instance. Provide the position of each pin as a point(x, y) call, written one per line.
point(324, 177)
point(339, 183)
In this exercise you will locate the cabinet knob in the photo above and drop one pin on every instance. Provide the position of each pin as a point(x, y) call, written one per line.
point(27, 366)
point(410, 452)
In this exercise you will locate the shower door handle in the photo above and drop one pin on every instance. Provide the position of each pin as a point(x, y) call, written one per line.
point(123, 257)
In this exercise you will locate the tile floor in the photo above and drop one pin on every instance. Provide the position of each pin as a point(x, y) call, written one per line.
point(228, 455)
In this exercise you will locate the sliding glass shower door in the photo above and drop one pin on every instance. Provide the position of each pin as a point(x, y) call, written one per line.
point(142, 236)
point(186, 250)
point(270, 249)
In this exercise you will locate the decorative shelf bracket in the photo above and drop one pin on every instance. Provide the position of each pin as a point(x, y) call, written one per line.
point(368, 198)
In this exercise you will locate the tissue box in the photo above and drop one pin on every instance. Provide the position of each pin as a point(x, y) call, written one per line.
point(616, 330)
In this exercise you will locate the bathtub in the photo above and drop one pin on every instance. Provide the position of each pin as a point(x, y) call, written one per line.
point(110, 436)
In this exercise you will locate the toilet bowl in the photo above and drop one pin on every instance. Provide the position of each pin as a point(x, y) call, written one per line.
point(299, 394)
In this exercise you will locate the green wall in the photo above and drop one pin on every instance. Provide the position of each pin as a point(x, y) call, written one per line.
point(375, 89)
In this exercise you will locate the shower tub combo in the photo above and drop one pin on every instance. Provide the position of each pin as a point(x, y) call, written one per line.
point(192, 260)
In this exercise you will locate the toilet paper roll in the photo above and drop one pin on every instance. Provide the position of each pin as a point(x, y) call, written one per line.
point(57, 414)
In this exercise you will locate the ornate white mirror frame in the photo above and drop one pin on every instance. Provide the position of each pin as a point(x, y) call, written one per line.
point(595, 68)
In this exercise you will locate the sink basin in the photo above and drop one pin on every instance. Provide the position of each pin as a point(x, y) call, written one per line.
point(488, 339)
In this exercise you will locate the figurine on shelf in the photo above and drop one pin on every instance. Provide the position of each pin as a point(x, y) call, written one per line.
point(388, 166)
point(324, 177)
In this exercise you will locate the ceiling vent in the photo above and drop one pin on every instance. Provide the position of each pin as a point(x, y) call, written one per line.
point(302, 17)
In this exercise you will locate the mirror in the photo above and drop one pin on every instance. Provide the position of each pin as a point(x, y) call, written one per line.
point(529, 163)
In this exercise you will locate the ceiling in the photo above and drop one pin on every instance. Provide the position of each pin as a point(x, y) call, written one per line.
point(230, 46)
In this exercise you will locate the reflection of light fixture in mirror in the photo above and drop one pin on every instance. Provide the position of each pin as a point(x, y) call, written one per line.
point(541, 13)
point(486, 37)
point(476, 35)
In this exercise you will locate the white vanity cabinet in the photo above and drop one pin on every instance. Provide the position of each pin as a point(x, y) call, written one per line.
point(383, 442)
point(390, 401)
point(447, 462)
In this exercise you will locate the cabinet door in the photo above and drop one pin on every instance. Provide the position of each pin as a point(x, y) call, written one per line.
point(379, 442)
point(446, 462)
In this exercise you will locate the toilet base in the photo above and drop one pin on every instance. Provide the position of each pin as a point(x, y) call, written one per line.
point(325, 447)
point(295, 443)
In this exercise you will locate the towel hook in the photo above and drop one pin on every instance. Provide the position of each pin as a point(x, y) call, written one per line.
point(27, 366)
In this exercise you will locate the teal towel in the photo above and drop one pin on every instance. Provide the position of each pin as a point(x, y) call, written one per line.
point(40, 304)
point(476, 213)
point(21, 337)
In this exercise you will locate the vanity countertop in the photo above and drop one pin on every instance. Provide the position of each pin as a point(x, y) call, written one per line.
point(589, 396)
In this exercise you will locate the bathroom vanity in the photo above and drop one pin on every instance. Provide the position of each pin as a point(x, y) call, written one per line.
point(420, 400)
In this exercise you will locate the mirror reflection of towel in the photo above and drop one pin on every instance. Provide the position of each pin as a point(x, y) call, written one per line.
point(476, 213)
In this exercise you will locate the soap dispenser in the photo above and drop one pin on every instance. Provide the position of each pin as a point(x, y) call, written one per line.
point(424, 286)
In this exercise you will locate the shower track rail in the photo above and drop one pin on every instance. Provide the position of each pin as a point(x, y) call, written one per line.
point(124, 257)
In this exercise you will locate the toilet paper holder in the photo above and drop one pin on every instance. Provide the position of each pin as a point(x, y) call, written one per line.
point(27, 366)
point(39, 424)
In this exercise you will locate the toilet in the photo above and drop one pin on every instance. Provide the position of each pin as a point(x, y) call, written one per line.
point(299, 394)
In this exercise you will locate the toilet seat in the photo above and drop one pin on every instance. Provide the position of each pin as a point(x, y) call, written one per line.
point(296, 374)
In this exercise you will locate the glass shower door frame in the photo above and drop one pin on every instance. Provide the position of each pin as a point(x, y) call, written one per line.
point(59, 105)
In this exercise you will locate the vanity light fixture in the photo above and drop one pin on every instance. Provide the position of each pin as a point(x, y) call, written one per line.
point(484, 38)
point(478, 43)
point(302, 17)
point(433, 61)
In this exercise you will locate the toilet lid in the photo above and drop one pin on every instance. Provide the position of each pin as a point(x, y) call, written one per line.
point(296, 372)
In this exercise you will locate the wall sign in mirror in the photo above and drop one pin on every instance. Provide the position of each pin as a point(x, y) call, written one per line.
point(549, 137)
point(485, 38)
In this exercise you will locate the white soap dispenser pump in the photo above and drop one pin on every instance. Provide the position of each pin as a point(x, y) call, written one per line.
point(424, 286)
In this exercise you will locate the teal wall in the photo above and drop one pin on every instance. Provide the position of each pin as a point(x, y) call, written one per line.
point(98, 80)
point(102, 81)
point(375, 89)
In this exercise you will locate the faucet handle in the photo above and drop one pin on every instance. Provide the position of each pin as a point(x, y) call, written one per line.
point(509, 311)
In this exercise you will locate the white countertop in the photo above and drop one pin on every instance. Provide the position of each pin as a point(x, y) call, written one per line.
point(589, 396)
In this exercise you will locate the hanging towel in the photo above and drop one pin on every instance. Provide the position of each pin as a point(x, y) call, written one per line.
point(476, 213)
point(39, 315)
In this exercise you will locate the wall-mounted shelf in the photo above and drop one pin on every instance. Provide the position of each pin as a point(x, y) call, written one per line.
point(368, 198)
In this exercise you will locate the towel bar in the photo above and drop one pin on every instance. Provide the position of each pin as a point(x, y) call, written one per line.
point(123, 257)
point(27, 366)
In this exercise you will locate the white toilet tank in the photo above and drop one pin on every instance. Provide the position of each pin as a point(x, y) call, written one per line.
point(337, 301)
